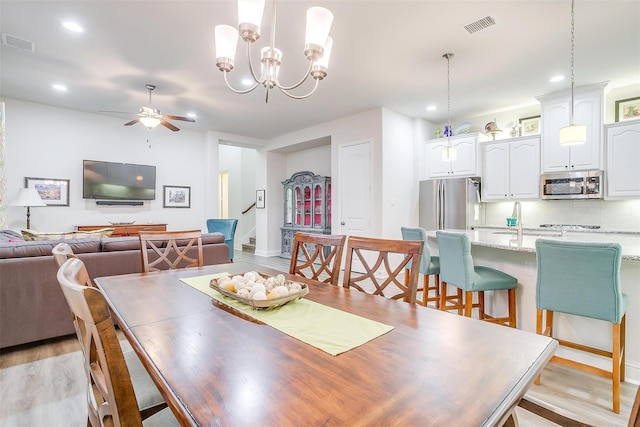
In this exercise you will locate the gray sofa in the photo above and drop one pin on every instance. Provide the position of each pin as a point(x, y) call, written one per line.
point(32, 306)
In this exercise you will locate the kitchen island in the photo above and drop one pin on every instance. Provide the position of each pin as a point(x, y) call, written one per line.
point(499, 248)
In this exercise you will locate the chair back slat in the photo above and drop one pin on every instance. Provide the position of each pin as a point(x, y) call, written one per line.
point(171, 249)
point(317, 256)
point(383, 262)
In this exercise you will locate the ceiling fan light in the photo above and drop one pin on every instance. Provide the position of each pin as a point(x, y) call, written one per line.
point(150, 122)
point(449, 154)
point(572, 135)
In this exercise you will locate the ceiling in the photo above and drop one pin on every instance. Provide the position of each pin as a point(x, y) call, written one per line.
point(385, 54)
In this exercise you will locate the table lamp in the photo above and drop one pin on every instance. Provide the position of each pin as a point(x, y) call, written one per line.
point(28, 197)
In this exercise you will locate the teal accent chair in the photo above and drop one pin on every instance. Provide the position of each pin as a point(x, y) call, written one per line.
point(457, 269)
point(583, 279)
point(429, 265)
point(226, 227)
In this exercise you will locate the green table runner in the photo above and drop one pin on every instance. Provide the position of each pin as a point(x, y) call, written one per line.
point(331, 330)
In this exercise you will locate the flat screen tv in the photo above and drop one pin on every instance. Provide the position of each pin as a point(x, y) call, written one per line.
point(118, 181)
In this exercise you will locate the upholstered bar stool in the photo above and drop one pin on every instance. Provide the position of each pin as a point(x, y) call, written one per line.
point(429, 265)
point(583, 279)
point(457, 269)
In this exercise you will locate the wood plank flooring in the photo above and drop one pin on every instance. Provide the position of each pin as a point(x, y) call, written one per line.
point(43, 384)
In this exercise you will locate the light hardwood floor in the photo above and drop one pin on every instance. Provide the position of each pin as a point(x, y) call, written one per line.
point(43, 385)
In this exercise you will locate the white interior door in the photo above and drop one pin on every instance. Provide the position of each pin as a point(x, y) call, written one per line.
point(355, 189)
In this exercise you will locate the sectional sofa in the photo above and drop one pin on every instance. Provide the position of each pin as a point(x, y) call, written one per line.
point(32, 306)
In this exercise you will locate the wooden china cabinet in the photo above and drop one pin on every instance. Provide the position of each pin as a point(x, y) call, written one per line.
point(307, 207)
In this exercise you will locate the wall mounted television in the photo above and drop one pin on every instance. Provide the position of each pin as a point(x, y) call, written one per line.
point(118, 181)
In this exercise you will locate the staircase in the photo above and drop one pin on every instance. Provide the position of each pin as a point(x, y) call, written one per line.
point(250, 247)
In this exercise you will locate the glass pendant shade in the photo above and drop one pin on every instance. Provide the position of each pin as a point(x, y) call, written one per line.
point(319, 22)
point(449, 154)
point(150, 122)
point(226, 38)
point(573, 135)
point(324, 61)
point(250, 12)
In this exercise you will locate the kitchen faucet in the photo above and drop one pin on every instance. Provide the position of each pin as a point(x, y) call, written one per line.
point(517, 213)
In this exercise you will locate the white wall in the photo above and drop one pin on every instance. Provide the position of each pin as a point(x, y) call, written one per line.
point(51, 142)
point(316, 160)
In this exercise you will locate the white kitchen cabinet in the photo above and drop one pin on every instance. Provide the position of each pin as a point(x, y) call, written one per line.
point(623, 159)
point(466, 164)
point(556, 113)
point(512, 169)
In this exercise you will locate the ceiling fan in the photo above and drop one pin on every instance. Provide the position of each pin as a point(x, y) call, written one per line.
point(151, 117)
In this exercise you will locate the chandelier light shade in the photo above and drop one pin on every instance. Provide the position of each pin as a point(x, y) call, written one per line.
point(317, 48)
point(150, 122)
point(28, 197)
point(449, 153)
point(572, 134)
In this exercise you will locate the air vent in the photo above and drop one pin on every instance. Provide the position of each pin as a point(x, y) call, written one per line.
point(480, 24)
point(18, 43)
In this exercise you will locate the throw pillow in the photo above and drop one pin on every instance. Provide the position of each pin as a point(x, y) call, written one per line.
point(10, 236)
point(66, 235)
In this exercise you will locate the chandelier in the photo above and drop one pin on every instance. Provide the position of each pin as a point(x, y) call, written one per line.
point(449, 153)
point(572, 134)
point(317, 48)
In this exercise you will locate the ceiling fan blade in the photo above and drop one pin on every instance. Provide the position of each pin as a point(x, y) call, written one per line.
point(132, 122)
point(184, 119)
point(117, 112)
point(168, 125)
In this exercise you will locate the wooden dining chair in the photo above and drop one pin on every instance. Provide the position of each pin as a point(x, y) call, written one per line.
point(317, 256)
point(172, 249)
point(61, 252)
point(379, 264)
point(116, 394)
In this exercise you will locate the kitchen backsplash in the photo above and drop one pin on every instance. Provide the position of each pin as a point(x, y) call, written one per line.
point(608, 214)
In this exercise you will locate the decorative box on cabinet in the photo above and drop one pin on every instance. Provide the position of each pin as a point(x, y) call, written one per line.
point(307, 207)
point(467, 162)
point(556, 113)
point(623, 153)
point(511, 169)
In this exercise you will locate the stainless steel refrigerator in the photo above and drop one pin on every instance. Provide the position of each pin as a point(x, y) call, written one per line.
point(452, 203)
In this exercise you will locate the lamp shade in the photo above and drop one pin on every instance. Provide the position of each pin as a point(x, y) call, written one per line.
point(572, 135)
point(28, 197)
point(226, 41)
point(326, 55)
point(250, 12)
point(150, 122)
point(319, 22)
point(449, 154)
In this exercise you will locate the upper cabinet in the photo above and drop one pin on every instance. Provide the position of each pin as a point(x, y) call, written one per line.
point(466, 164)
point(623, 153)
point(555, 114)
point(511, 169)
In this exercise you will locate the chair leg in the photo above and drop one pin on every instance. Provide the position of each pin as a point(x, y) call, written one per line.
point(623, 346)
point(468, 303)
point(437, 288)
point(512, 308)
point(425, 290)
point(539, 332)
point(481, 314)
point(615, 355)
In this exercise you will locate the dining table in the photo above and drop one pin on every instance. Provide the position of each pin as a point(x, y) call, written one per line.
point(217, 365)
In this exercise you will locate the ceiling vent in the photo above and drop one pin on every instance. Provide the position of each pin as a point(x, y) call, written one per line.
point(18, 43)
point(480, 24)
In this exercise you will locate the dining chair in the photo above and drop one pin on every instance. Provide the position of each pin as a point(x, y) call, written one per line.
point(377, 265)
point(457, 269)
point(119, 392)
point(61, 252)
point(583, 279)
point(172, 249)
point(429, 265)
point(317, 256)
point(226, 227)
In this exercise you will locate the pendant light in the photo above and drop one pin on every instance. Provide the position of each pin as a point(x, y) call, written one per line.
point(572, 134)
point(449, 153)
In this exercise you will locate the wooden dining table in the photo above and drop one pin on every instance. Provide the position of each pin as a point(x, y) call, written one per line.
point(218, 367)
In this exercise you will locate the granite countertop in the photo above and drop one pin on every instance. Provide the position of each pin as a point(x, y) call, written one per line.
point(504, 238)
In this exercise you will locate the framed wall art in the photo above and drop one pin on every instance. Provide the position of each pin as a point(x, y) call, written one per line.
point(176, 197)
point(260, 201)
point(530, 125)
point(627, 109)
point(54, 192)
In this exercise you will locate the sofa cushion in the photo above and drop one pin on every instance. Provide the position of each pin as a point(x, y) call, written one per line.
point(10, 236)
point(44, 248)
point(112, 244)
point(65, 235)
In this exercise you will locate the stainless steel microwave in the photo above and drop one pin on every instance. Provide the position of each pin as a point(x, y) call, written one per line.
point(572, 185)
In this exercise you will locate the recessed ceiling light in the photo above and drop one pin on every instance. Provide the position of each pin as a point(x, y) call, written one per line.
point(72, 26)
point(192, 115)
point(61, 88)
point(556, 79)
point(431, 108)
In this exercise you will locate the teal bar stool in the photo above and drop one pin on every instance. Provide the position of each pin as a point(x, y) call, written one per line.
point(583, 279)
point(226, 227)
point(457, 269)
point(429, 265)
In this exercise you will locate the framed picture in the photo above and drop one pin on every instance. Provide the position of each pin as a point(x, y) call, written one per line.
point(530, 125)
point(176, 197)
point(54, 192)
point(260, 199)
point(627, 109)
